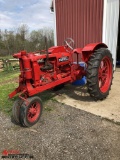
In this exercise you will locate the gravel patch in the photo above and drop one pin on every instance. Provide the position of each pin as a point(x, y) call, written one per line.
point(63, 133)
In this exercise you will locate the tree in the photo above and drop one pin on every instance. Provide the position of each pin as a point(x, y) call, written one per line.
point(20, 38)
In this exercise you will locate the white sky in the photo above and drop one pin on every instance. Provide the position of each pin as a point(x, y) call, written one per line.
point(35, 13)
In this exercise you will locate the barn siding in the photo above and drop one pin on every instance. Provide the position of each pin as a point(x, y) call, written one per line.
point(110, 25)
point(81, 20)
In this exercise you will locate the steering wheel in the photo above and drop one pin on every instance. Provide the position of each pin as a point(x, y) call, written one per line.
point(69, 42)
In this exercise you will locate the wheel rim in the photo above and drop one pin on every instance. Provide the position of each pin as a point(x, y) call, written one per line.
point(33, 112)
point(105, 74)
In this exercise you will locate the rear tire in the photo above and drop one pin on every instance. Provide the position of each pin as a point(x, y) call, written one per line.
point(30, 114)
point(100, 74)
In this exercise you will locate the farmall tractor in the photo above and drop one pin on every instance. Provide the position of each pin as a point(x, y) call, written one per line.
point(57, 66)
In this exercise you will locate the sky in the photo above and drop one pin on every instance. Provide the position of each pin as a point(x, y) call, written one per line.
point(35, 13)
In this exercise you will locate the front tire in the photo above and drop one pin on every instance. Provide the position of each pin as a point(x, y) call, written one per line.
point(16, 110)
point(100, 74)
point(30, 114)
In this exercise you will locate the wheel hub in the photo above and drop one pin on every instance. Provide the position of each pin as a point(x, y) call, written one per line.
point(105, 74)
point(33, 112)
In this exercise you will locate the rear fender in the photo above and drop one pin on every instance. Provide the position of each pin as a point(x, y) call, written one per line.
point(89, 49)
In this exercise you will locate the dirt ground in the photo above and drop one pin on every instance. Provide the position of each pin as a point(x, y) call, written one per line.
point(1, 66)
point(79, 98)
point(65, 132)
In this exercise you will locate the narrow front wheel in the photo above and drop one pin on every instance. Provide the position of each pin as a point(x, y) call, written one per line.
point(16, 110)
point(30, 114)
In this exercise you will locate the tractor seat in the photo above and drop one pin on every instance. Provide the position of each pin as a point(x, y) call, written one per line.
point(77, 50)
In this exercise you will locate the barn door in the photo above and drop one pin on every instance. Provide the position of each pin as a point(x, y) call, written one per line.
point(110, 25)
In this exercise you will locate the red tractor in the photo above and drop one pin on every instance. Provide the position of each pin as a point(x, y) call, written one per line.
point(57, 66)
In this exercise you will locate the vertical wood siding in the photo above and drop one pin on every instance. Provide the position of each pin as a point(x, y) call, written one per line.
point(81, 20)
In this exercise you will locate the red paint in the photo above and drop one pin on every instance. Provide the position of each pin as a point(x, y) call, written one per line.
point(34, 78)
point(94, 46)
point(5, 153)
point(89, 49)
point(33, 112)
point(105, 74)
point(9, 152)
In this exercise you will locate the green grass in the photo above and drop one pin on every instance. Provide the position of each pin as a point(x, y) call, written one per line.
point(48, 109)
point(6, 57)
point(6, 76)
point(7, 85)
